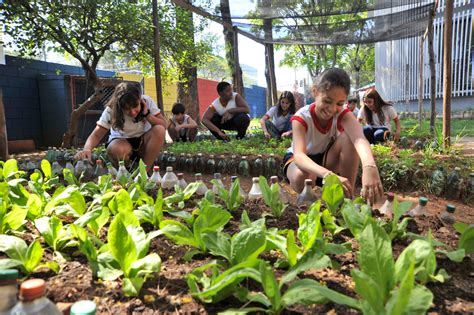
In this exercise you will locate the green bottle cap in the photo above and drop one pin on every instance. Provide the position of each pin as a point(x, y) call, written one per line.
point(450, 208)
point(423, 201)
point(85, 307)
point(8, 274)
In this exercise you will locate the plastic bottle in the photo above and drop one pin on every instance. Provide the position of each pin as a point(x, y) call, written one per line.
point(419, 145)
point(169, 179)
point(307, 196)
point(56, 168)
point(122, 173)
point(163, 159)
point(437, 181)
point(447, 217)
point(468, 195)
point(255, 192)
point(155, 177)
point(283, 195)
point(199, 164)
point(202, 189)
point(215, 187)
point(181, 182)
point(387, 207)
point(8, 290)
point(111, 169)
point(419, 177)
point(31, 166)
point(172, 161)
point(79, 168)
point(453, 184)
point(244, 167)
point(88, 169)
point(419, 210)
point(181, 165)
point(233, 164)
point(211, 165)
point(270, 165)
point(189, 163)
point(404, 142)
point(241, 190)
point(258, 168)
point(85, 307)
point(221, 165)
point(33, 300)
point(99, 168)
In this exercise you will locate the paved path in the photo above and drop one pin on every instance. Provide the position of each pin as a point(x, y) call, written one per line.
point(467, 144)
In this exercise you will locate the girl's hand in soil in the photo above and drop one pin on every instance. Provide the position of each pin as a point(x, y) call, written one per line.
point(396, 137)
point(84, 154)
point(286, 134)
point(372, 187)
point(267, 135)
point(347, 186)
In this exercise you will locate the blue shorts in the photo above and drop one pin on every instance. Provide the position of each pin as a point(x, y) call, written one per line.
point(316, 158)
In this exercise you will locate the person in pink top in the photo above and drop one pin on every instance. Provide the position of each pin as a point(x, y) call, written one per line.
point(328, 139)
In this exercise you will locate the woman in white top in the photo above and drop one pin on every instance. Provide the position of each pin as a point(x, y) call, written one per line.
point(137, 128)
point(228, 112)
point(377, 115)
point(276, 122)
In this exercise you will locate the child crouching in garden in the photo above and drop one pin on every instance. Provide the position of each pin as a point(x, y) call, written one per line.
point(276, 122)
point(182, 127)
point(328, 139)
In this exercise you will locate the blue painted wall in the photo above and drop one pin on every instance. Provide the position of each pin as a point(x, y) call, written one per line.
point(21, 96)
point(256, 98)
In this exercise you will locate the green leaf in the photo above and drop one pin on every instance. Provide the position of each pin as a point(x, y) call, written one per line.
point(460, 227)
point(69, 177)
point(375, 257)
point(9, 168)
point(7, 263)
point(218, 244)
point(292, 248)
point(33, 256)
point(178, 233)
point(15, 218)
point(371, 290)
point(456, 255)
point(333, 193)
point(121, 245)
point(310, 225)
point(400, 298)
point(420, 300)
point(270, 285)
point(132, 286)
point(46, 168)
point(306, 292)
point(355, 219)
point(72, 197)
point(466, 241)
point(146, 265)
point(14, 247)
point(247, 244)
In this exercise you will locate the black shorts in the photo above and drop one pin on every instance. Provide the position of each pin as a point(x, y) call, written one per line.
point(316, 158)
point(136, 144)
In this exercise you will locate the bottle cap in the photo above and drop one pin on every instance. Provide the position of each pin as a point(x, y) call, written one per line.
point(390, 196)
point(169, 168)
point(457, 168)
point(254, 179)
point(180, 176)
point(471, 175)
point(156, 168)
point(450, 208)
point(8, 274)
point(260, 156)
point(199, 154)
point(308, 181)
point(217, 175)
point(423, 201)
point(32, 289)
point(121, 163)
point(244, 157)
point(85, 307)
point(98, 162)
point(274, 179)
point(211, 156)
point(198, 176)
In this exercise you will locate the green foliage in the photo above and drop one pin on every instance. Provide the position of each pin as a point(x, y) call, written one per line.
point(55, 235)
point(271, 196)
point(232, 197)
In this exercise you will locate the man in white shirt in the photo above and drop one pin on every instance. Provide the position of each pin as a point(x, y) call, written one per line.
point(228, 112)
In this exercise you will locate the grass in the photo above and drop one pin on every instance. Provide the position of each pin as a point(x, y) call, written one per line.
point(461, 127)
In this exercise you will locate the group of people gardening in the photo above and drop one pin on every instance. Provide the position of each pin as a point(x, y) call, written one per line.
point(327, 135)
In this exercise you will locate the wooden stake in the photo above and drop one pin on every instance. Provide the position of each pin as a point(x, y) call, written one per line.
point(3, 131)
point(432, 74)
point(447, 43)
point(156, 55)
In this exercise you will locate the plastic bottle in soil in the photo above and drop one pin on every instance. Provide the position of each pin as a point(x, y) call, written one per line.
point(244, 167)
point(270, 165)
point(99, 168)
point(419, 177)
point(219, 183)
point(56, 168)
point(221, 165)
point(283, 195)
point(79, 168)
point(189, 163)
point(241, 190)
point(447, 217)
point(155, 177)
point(419, 210)
point(307, 196)
point(437, 181)
point(202, 188)
point(163, 160)
point(85, 307)
point(181, 182)
point(257, 167)
point(211, 165)
point(8, 290)
point(199, 164)
point(111, 169)
point(172, 161)
point(169, 179)
point(454, 184)
point(419, 145)
point(31, 166)
point(181, 165)
point(468, 195)
point(387, 208)
point(122, 174)
point(256, 191)
point(33, 300)
point(232, 164)
point(404, 142)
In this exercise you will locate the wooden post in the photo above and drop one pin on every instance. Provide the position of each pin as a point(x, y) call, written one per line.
point(156, 55)
point(432, 74)
point(271, 63)
point(420, 86)
point(3, 131)
point(239, 82)
point(447, 45)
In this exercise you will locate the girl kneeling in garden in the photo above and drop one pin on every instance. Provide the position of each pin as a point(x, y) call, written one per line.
point(276, 122)
point(328, 139)
point(137, 128)
point(376, 113)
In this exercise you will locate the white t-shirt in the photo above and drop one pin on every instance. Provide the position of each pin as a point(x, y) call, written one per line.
point(220, 109)
point(389, 112)
point(278, 121)
point(182, 131)
point(318, 138)
point(131, 129)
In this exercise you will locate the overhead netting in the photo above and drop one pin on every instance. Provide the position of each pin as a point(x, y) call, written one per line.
point(322, 22)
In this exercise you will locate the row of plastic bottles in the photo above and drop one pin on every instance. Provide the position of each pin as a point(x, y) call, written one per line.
point(224, 165)
point(31, 298)
point(452, 185)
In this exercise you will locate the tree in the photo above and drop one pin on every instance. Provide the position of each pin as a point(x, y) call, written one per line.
point(84, 29)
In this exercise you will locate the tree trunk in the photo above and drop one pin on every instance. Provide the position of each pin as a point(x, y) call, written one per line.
point(3, 131)
point(334, 55)
point(447, 41)
point(420, 86)
point(432, 75)
point(156, 55)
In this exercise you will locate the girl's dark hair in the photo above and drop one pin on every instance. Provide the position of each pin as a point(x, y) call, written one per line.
point(126, 96)
point(289, 96)
point(333, 77)
point(378, 102)
point(178, 108)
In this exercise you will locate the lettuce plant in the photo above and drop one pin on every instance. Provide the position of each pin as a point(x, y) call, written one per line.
point(54, 233)
point(271, 196)
point(232, 198)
